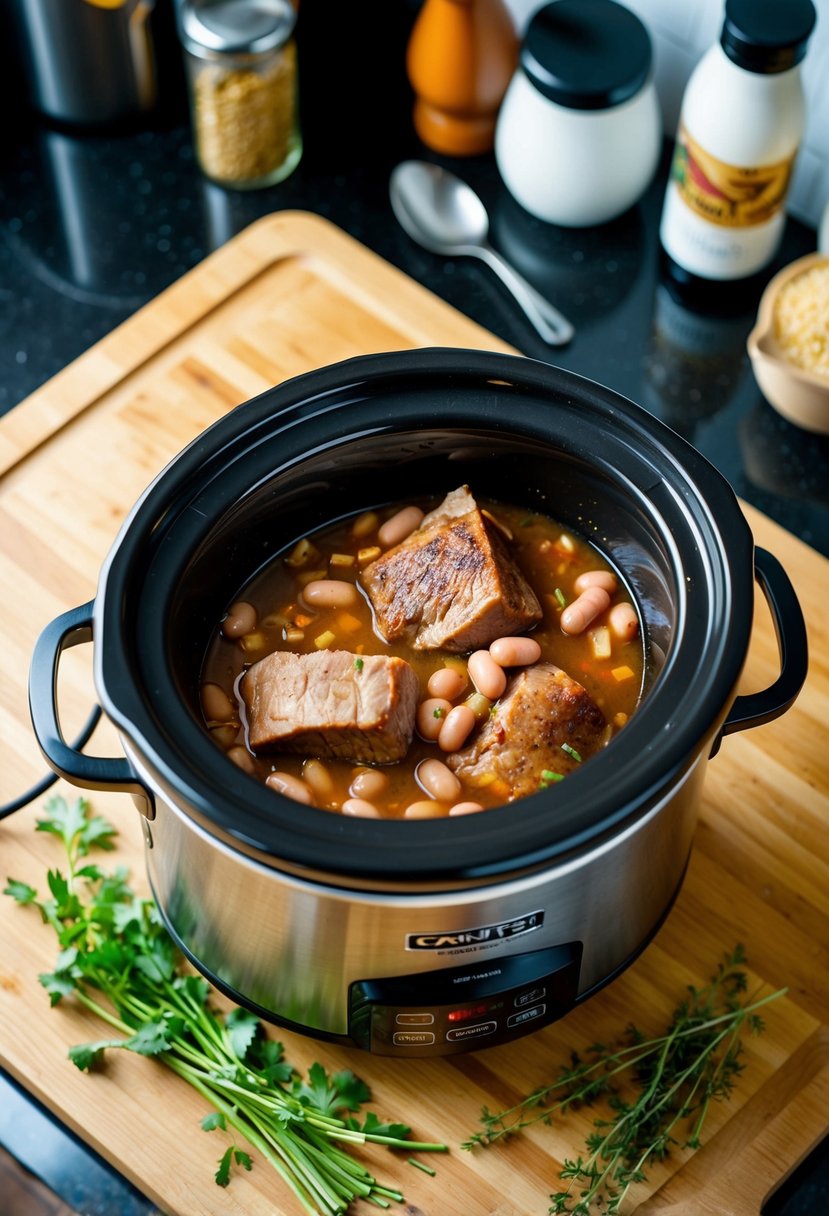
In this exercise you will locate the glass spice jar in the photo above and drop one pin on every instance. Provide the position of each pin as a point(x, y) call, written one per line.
point(242, 72)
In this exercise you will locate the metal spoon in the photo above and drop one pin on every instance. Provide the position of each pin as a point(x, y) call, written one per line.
point(445, 216)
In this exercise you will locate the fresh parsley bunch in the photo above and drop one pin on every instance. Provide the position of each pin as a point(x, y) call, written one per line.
point(118, 961)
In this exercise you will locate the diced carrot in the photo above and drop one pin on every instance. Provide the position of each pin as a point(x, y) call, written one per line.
point(622, 673)
point(302, 619)
point(348, 623)
point(324, 640)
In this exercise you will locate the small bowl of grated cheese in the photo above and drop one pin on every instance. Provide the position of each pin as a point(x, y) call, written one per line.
point(789, 345)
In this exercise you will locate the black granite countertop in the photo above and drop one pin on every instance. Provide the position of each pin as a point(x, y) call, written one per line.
point(93, 225)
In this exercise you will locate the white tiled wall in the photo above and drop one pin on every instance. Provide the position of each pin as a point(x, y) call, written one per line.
point(682, 31)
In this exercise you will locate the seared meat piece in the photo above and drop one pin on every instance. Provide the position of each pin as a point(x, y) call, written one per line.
point(331, 704)
point(451, 584)
point(541, 709)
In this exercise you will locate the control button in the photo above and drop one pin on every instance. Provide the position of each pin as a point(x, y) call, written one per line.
point(471, 1032)
point(527, 1015)
point(530, 998)
point(414, 1019)
point(413, 1038)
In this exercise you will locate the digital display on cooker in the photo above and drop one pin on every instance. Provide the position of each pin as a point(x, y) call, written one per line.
point(461, 1008)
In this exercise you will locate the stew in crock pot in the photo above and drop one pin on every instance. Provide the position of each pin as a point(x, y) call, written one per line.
point(404, 664)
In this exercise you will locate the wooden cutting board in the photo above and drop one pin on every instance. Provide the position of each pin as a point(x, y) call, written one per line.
point(288, 294)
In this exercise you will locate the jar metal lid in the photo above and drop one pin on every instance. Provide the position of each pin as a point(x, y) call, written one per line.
point(586, 54)
point(767, 36)
point(247, 27)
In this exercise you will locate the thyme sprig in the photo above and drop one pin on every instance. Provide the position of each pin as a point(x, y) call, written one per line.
point(672, 1081)
point(117, 960)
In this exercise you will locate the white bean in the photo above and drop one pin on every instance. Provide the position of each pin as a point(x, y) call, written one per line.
point(577, 616)
point(456, 728)
point(515, 652)
point(437, 780)
point(216, 704)
point(446, 683)
point(361, 807)
point(425, 809)
point(289, 786)
point(400, 526)
point(317, 776)
point(596, 578)
point(242, 758)
point(623, 622)
point(330, 593)
point(486, 675)
point(431, 715)
point(368, 783)
point(240, 619)
point(465, 808)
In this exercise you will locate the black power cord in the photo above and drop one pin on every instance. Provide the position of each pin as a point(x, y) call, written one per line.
point(42, 786)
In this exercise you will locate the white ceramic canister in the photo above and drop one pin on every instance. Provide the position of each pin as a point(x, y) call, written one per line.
point(741, 123)
point(579, 133)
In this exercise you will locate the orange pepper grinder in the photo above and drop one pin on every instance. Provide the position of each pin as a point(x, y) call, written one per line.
point(460, 59)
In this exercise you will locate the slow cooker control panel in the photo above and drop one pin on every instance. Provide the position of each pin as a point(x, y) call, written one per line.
point(438, 1013)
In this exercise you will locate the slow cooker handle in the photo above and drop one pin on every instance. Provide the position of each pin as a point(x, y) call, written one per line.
point(73, 628)
point(792, 644)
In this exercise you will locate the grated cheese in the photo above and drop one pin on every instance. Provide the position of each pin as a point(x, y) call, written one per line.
point(801, 319)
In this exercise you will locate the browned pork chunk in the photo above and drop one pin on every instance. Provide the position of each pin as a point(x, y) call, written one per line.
point(331, 704)
point(451, 584)
point(530, 739)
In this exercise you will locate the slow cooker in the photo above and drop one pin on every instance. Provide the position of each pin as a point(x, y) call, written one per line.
point(431, 937)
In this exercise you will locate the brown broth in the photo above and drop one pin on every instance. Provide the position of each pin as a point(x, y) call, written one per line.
point(550, 557)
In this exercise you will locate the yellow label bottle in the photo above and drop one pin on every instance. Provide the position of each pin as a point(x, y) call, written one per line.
point(741, 124)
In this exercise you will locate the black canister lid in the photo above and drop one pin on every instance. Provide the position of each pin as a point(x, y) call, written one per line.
point(586, 54)
point(767, 36)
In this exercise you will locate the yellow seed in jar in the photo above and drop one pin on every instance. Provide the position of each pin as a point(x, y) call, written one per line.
point(324, 640)
point(364, 556)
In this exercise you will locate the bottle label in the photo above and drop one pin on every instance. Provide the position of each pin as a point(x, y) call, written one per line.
point(724, 194)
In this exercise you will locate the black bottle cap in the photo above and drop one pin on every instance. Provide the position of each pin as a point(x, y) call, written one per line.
point(586, 54)
point(767, 36)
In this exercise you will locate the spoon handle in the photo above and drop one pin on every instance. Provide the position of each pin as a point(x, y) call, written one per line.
point(548, 322)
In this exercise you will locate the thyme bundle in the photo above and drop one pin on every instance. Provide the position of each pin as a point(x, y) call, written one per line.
point(673, 1080)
